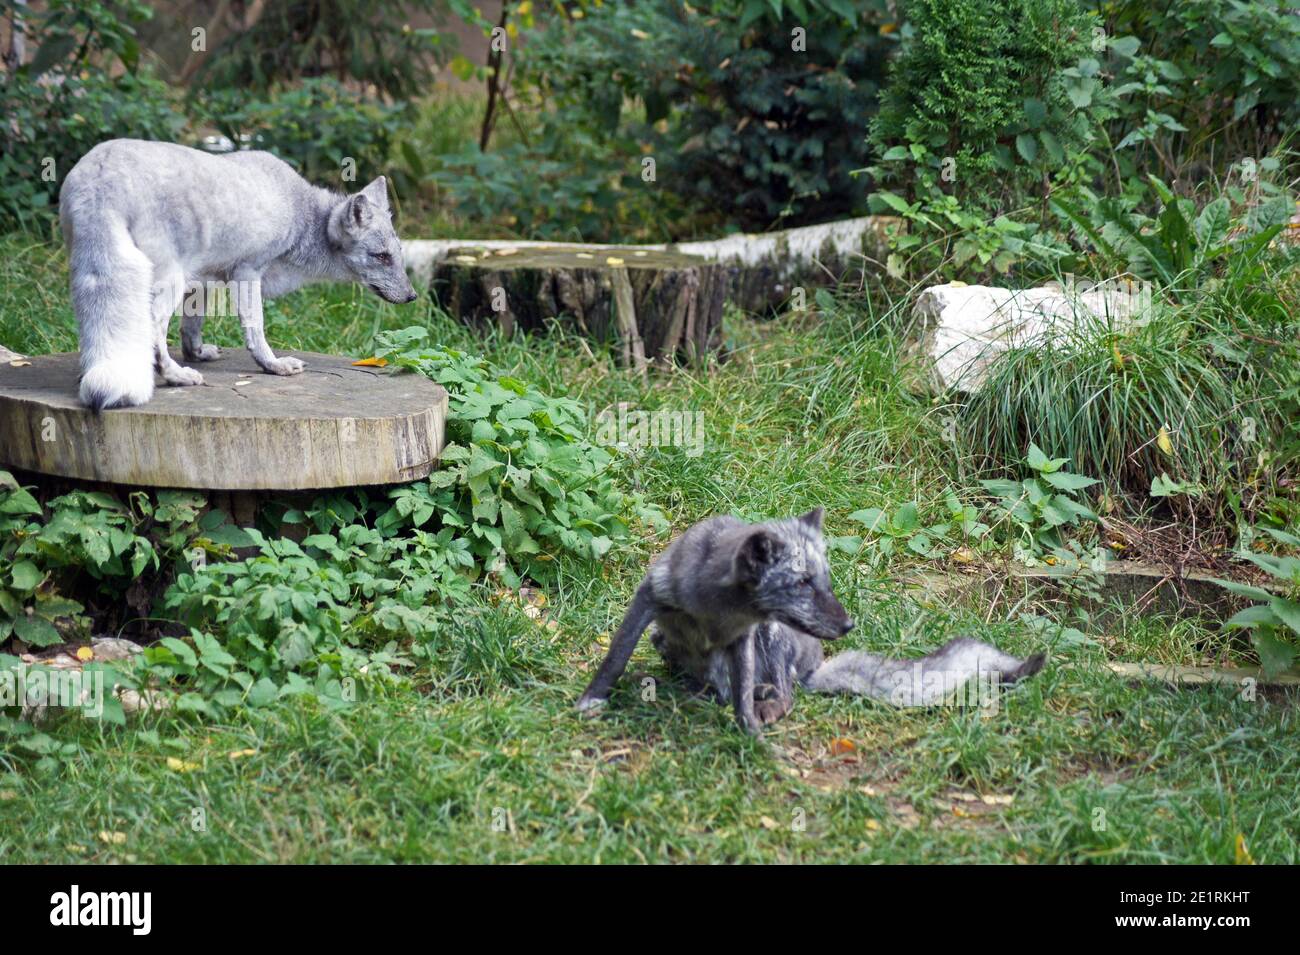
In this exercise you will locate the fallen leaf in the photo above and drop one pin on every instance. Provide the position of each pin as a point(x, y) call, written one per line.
point(181, 766)
point(1163, 442)
point(769, 823)
point(241, 753)
point(112, 838)
point(841, 745)
point(963, 555)
point(74, 848)
point(584, 255)
point(85, 654)
point(371, 363)
point(467, 260)
point(613, 260)
point(996, 799)
point(7, 794)
point(19, 363)
point(873, 825)
point(955, 283)
point(1243, 856)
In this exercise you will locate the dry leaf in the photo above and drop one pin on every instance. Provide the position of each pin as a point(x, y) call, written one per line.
point(19, 363)
point(241, 753)
point(112, 838)
point(371, 363)
point(963, 555)
point(841, 745)
point(1242, 853)
point(769, 823)
point(467, 260)
point(181, 766)
point(613, 260)
point(85, 654)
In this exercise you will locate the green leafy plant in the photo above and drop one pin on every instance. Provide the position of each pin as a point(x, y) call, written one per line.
point(1274, 622)
point(1042, 506)
point(519, 478)
point(317, 126)
point(903, 530)
point(83, 85)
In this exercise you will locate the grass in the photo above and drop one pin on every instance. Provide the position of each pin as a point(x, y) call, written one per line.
point(481, 757)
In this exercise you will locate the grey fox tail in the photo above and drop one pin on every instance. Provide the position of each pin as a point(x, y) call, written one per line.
point(112, 283)
point(925, 681)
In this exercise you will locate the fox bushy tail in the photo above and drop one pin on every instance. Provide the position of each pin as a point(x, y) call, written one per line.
point(925, 681)
point(111, 294)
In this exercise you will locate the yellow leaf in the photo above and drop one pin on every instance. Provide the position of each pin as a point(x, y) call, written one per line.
point(19, 363)
point(956, 284)
point(613, 260)
point(85, 654)
point(1163, 442)
point(180, 765)
point(371, 363)
point(241, 753)
point(112, 838)
point(963, 555)
point(841, 745)
point(873, 825)
point(769, 823)
point(641, 34)
point(1243, 854)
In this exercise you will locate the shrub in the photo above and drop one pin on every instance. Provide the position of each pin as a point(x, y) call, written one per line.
point(67, 99)
point(965, 140)
point(346, 39)
point(319, 127)
point(736, 121)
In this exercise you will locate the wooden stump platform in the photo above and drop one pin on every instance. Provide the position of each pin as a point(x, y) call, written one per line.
point(334, 425)
point(657, 305)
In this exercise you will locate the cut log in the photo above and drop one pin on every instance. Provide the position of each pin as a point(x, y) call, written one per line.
point(656, 306)
point(334, 425)
point(760, 271)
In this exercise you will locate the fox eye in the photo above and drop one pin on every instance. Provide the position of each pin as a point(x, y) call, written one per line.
point(382, 257)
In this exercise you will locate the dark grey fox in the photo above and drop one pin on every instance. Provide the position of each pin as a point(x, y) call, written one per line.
point(740, 609)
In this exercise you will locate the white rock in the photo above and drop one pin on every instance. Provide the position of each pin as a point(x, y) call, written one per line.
point(960, 329)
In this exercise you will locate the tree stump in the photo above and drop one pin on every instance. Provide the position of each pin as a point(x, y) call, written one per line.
point(334, 425)
point(655, 306)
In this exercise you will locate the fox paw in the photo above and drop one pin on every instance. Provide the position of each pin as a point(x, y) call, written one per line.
point(180, 376)
point(769, 711)
point(590, 705)
point(284, 366)
point(205, 353)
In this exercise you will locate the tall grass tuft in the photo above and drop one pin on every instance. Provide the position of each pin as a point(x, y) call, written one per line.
point(1169, 396)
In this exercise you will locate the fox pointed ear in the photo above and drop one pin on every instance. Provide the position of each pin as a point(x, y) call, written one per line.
point(758, 552)
point(377, 192)
point(814, 518)
point(358, 212)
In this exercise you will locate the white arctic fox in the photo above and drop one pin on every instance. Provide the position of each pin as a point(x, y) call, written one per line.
point(144, 221)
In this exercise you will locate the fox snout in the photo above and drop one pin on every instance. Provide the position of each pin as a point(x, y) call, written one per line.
point(836, 621)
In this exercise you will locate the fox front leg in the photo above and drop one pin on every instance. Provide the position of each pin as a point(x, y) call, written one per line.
point(249, 306)
point(638, 617)
point(742, 682)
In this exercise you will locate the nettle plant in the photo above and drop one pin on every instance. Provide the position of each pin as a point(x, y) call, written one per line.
point(1274, 622)
point(889, 534)
point(1041, 507)
point(519, 479)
